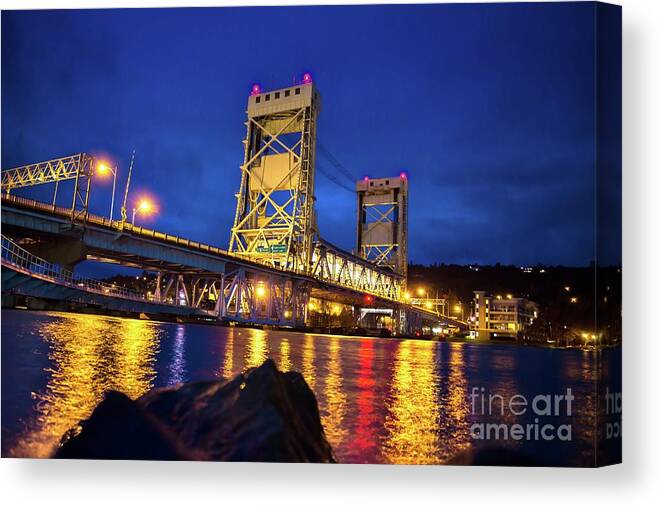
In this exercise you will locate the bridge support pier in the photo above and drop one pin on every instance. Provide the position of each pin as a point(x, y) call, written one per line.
point(64, 252)
point(241, 295)
point(252, 297)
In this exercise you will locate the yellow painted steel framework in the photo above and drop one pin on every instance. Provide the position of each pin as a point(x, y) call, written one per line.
point(77, 167)
point(241, 295)
point(275, 222)
point(382, 225)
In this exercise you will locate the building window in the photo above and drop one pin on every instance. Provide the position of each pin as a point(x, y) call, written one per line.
point(258, 100)
point(277, 95)
point(267, 98)
point(297, 91)
point(287, 92)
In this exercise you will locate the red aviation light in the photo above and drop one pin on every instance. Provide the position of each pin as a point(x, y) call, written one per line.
point(255, 90)
point(307, 78)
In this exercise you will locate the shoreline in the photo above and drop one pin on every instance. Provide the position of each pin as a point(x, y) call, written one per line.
point(313, 331)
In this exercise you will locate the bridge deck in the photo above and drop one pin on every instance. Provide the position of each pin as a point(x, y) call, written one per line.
point(26, 274)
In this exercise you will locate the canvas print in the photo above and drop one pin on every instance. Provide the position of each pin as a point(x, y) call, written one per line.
point(376, 234)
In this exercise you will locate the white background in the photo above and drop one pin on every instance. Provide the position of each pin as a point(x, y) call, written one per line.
point(635, 482)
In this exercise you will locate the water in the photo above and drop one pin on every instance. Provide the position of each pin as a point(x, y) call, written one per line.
point(381, 400)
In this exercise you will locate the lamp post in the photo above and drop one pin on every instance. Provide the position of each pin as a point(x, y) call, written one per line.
point(102, 169)
point(144, 206)
point(126, 190)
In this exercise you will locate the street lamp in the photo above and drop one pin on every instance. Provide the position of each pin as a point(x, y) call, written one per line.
point(103, 169)
point(458, 308)
point(144, 207)
point(421, 291)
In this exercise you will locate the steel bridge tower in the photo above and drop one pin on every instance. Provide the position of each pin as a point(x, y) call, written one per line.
point(382, 230)
point(275, 222)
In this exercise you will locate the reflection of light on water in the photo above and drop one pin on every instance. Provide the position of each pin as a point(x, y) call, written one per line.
point(412, 420)
point(308, 361)
point(503, 387)
point(380, 400)
point(178, 364)
point(336, 399)
point(89, 355)
point(365, 438)
point(132, 341)
point(587, 366)
point(585, 410)
point(257, 349)
point(455, 411)
point(284, 363)
point(228, 360)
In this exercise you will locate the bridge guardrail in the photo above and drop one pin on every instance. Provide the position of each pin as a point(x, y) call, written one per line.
point(116, 224)
point(18, 257)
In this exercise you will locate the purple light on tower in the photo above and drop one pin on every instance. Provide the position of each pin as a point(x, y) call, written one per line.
point(256, 89)
point(366, 179)
point(307, 78)
point(403, 175)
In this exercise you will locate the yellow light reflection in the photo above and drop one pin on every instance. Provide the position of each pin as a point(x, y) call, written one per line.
point(336, 398)
point(228, 361)
point(456, 424)
point(89, 355)
point(412, 420)
point(257, 349)
point(284, 363)
point(308, 361)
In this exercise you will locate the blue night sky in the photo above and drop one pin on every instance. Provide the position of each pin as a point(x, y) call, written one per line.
point(490, 109)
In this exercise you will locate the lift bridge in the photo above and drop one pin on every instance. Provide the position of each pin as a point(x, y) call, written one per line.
point(276, 260)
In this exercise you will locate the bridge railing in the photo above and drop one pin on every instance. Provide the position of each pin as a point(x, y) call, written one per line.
point(115, 224)
point(18, 257)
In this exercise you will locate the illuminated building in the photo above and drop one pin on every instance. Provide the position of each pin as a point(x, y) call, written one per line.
point(498, 316)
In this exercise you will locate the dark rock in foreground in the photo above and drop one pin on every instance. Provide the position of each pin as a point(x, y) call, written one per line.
point(120, 429)
point(260, 415)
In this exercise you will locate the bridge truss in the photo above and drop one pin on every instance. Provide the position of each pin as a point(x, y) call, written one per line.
point(274, 220)
point(333, 265)
point(382, 225)
point(240, 295)
point(77, 167)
